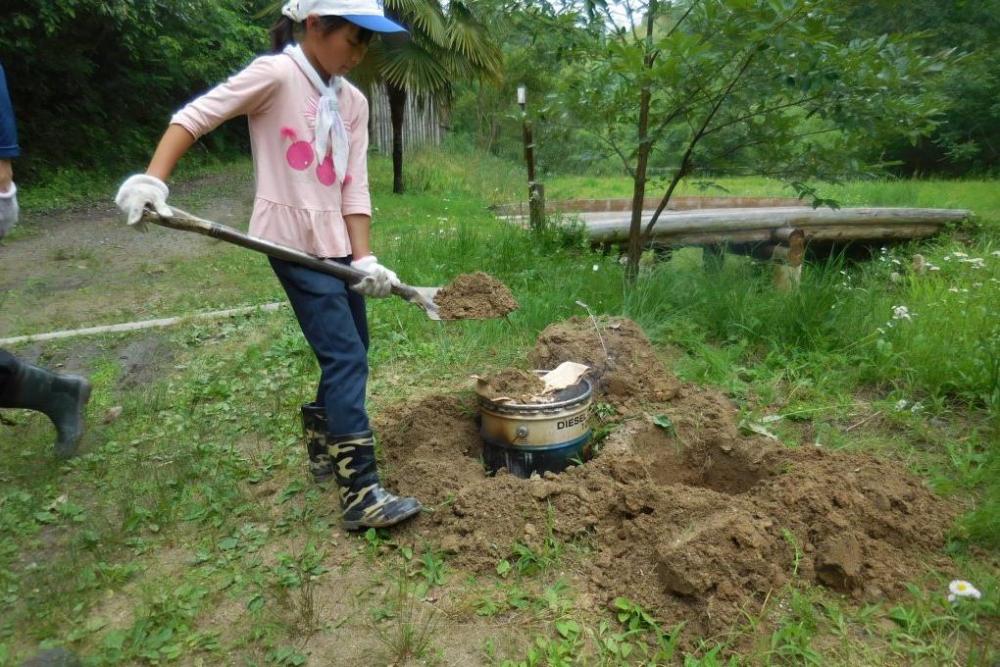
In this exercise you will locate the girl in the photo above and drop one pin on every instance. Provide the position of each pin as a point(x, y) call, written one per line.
point(309, 136)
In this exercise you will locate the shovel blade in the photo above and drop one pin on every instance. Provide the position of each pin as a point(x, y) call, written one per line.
point(424, 297)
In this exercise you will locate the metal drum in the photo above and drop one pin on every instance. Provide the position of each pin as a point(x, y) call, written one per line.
point(537, 437)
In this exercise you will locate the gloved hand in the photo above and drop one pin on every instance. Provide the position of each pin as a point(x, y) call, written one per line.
point(8, 210)
point(138, 191)
point(378, 282)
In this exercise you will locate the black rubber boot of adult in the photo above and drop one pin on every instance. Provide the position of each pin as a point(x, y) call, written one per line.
point(364, 502)
point(314, 428)
point(62, 398)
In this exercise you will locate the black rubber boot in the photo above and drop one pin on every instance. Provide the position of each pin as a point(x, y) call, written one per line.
point(62, 398)
point(314, 427)
point(365, 503)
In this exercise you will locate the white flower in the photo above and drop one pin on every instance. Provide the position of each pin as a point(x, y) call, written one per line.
point(960, 254)
point(962, 589)
point(953, 289)
point(596, 267)
point(900, 313)
point(995, 253)
point(901, 404)
point(917, 407)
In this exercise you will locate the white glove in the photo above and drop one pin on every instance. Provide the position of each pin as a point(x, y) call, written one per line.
point(139, 191)
point(378, 282)
point(8, 210)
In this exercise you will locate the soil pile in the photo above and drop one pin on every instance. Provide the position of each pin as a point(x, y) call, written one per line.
point(475, 296)
point(512, 383)
point(696, 522)
point(625, 366)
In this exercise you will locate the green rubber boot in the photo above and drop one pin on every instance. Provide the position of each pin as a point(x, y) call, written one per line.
point(61, 398)
point(364, 502)
point(314, 427)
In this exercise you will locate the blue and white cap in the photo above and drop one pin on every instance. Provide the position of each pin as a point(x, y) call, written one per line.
point(365, 13)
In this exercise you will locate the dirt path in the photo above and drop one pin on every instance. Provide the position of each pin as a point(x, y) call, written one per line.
point(85, 267)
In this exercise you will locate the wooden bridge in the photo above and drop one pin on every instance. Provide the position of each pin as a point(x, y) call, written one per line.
point(765, 228)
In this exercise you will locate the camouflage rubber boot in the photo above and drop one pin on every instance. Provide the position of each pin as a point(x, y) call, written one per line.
point(314, 428)
point(61, 398)
point(365, 503)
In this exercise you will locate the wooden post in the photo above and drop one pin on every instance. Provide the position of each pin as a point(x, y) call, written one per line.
point(536, 192)
point(788, 258)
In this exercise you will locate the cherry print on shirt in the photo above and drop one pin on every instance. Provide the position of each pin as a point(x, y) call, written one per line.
point(325, 173)
point(300, 153)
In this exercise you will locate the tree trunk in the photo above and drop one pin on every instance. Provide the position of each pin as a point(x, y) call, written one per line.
point(397, 110)
point(635, 235)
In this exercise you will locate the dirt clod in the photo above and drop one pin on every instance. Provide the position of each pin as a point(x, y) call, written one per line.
point(512, 383)
point(697, 523)
point(474, 296)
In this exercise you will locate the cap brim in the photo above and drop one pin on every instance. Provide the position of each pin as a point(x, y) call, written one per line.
point(375, 23)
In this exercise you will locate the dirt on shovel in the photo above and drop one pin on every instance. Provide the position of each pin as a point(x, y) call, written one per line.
point(475, 296)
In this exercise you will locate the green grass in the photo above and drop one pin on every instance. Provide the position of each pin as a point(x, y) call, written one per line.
point(191, 507)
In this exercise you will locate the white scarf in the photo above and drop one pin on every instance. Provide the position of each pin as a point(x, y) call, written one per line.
point(330, 129)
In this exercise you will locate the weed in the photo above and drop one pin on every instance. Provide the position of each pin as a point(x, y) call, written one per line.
point(432, 567)
point(406, 624)
point(791, 643)
point(294, 580)
point(793, 542)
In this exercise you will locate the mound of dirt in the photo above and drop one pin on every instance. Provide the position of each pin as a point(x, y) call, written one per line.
point(473, 296)
point(625, 366)
point(696, 522)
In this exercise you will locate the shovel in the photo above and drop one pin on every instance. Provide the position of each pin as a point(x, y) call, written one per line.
point(421, 296)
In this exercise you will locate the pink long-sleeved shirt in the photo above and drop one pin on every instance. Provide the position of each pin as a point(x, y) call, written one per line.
point(299, 202)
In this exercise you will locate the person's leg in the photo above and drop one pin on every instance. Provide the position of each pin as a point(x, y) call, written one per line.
point(333, 321)
point(62, 398)
point(321, 305)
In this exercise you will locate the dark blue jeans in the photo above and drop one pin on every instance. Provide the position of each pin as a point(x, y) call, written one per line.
point(333, 319)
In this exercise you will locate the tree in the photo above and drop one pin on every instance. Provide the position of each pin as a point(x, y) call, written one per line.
point(445, 46)
point(677, 88)
point(94, 83)
point(968, 136)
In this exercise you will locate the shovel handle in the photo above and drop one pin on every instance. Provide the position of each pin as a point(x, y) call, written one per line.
point(184, 221)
